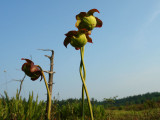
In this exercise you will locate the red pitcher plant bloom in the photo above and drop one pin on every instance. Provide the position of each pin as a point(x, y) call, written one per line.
point(87, 20)
point(34, 72)
point(31, 70)
point(77, 38)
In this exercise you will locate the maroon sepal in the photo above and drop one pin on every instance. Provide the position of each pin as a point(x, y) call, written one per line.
point(99, 22)
point(81, 15)
point(89, 39)
point(90, 12)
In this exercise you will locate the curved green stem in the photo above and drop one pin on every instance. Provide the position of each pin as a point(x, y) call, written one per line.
point(49, 96)
point(83, 77)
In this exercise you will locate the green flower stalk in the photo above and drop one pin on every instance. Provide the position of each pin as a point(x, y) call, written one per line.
point(78, 39)
point(86, 22)
point(83, 78)
point(34, 72)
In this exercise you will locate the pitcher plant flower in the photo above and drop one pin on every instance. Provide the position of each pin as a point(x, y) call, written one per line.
point(77, 38)
point(88, 20)
point(31, 70)
point(34, 72)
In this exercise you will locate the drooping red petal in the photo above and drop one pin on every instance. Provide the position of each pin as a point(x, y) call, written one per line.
point(81, 15)
point(69, 36)
point(36, 75)
point(35, 78)
point(34, 68)
point(24, 66)
point(84, 30)
point(41, 77)
point(27, 65)
point(77, 48)
point(89, 39)
point(28, 61)
point(71, 33)
point(67, 41)
point(90, 12)
point(99, 22)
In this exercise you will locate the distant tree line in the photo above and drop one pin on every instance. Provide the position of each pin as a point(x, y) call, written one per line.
point(110, 102)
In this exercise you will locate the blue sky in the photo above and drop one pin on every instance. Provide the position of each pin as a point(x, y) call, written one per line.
point(123, 60)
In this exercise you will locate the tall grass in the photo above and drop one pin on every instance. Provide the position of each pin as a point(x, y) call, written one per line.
point(16, 108)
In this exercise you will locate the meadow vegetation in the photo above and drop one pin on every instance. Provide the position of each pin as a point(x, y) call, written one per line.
point(16, 108)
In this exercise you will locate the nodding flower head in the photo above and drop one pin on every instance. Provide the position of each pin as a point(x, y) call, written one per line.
point(77, 38)
point(31, 70)
point(87, 20)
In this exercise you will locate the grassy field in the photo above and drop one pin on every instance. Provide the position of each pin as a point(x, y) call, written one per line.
point(150, 114)
point(17, 108)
